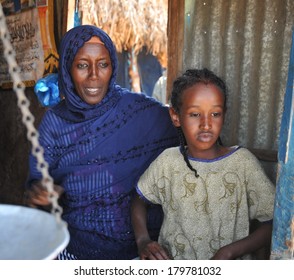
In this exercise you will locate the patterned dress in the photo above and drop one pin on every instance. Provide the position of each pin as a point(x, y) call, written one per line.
point(204, 214)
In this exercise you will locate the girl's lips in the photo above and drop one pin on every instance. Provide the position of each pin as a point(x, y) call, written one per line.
point(205, 136)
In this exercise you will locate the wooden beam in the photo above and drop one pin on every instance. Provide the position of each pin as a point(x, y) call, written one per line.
point(175, 34)
point(71, 4)
point(65, 17)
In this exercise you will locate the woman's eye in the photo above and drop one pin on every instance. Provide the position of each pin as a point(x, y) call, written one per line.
point(103, 64)
point(82, 65)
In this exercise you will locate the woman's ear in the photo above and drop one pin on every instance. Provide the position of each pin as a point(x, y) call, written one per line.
point(174, 117)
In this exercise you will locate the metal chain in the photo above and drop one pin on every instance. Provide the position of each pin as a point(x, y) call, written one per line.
point(27, 117)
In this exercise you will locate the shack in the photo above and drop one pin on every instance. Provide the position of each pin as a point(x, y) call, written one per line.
point(247, 42)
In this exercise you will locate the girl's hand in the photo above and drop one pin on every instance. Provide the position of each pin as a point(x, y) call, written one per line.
point(151, 250)
point(224, 253)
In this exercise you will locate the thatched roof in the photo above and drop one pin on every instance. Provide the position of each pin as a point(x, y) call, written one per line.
point(131, 24)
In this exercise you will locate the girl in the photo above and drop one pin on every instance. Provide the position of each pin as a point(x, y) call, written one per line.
point(209, 193)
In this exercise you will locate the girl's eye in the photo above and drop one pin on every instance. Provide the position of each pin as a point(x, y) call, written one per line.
point(216, 114)
point(195, 115)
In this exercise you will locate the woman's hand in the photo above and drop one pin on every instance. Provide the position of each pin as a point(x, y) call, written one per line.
point(151, 250)
point(38, 195)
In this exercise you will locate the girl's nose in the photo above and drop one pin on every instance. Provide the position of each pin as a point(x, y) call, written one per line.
point(205, 123)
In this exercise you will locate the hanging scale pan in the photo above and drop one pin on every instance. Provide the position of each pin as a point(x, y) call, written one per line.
point(27, 233)
point(30, 234)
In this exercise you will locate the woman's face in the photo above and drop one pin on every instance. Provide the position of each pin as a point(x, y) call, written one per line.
point(91, 71)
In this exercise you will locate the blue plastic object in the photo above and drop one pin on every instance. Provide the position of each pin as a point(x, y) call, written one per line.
point(47, 90)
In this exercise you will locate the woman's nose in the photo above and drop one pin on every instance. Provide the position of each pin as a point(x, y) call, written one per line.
point(93, 74)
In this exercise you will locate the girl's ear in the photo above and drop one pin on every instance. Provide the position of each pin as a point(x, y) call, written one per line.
point(174, 117)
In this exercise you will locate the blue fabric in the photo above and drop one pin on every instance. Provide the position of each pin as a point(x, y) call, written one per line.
point(123, 70)
point(47, 90)
point(150, 71)
point(97, 153)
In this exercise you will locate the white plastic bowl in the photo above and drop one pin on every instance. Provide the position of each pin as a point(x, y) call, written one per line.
point(30, 234)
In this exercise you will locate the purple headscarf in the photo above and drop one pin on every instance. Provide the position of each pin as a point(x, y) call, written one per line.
point(74, 108)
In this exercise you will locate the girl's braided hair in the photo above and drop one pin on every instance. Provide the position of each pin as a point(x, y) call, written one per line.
point(190, 78)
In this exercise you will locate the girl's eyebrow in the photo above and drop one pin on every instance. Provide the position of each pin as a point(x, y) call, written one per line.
point(197, 106)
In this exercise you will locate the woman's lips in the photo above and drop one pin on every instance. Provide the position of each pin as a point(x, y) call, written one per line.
point(93, 91)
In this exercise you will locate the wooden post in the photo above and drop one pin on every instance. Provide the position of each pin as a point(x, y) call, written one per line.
point(175, 34)
point(283, 225)
point(133, 72)
point(71, 4)
point(64, 20)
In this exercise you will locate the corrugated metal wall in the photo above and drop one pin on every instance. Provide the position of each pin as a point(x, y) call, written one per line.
point(247, 42)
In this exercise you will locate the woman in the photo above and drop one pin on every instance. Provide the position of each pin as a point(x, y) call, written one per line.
point(97, 142)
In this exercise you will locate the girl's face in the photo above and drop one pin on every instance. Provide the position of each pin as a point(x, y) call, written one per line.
point(91, 71)
point(201, 118)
